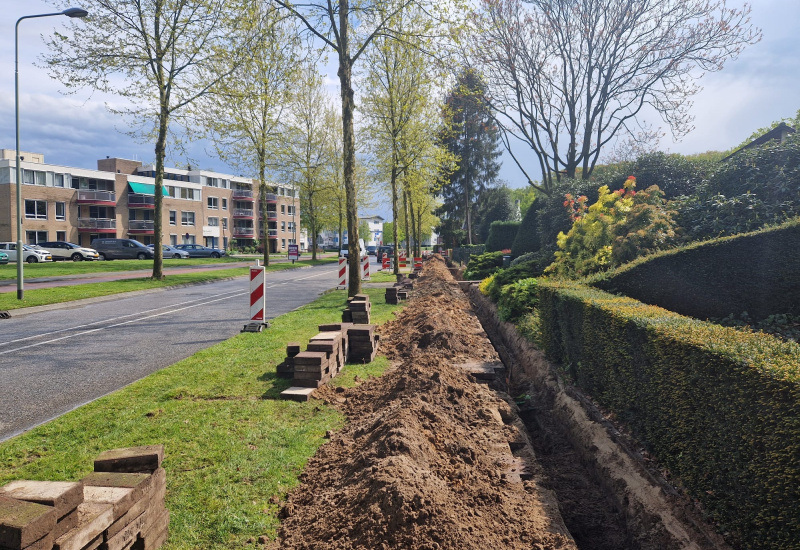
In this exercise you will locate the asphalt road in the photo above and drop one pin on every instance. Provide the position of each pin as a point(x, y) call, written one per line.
point(54, 361)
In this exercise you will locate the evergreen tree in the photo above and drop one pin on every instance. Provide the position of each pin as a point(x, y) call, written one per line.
point(473, 138)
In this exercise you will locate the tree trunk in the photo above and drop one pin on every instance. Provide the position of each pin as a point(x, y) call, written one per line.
point(161, 140)
point(262, 189)
point(394, 217)
point(405, 220)
point(349, 152)
point(414, 235)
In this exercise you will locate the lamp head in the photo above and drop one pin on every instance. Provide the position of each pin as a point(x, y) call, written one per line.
point(75, 12)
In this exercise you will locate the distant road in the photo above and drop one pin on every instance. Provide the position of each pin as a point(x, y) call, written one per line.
point(53, 361)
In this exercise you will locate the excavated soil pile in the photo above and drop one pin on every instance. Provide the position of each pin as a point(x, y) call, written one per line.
point(425, 460)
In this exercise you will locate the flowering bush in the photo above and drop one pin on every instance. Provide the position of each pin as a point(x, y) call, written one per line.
point(485, 285)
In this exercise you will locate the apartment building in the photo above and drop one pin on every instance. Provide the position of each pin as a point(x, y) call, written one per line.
point(118, 200)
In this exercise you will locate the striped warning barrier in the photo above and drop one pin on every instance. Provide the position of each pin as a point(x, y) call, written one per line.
point(417, 263)
point(402, 259)
point(365, 269)
point(386, 263)
point(343, 276)
point(258, 299)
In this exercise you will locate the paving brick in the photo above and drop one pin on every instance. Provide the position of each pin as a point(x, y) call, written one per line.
point(128, 535)
point(310, 358)
point(64, 496)
point(44, 543)
point(297, 393)
point(155, 501)
point(22, 523)
point(140, 483)
point(93, 519)
point(146, 458)
point(70, 521)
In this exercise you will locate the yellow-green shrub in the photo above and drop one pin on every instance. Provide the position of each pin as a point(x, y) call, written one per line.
point(719, 407)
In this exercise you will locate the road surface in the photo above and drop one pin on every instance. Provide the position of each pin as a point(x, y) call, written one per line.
point(54, 361)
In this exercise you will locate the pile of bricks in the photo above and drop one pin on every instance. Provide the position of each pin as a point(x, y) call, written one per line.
point(400, 291)
point(118, 507)
point(363, 343)
point(357, 310)
point(286, 368)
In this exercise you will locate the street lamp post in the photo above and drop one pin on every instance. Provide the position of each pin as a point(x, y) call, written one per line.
point(69, 12)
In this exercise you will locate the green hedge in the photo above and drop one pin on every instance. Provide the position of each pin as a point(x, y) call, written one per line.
point(757, 273)
point(501, 236)
point(481, 266)
point(527, 238)
point(719, 407)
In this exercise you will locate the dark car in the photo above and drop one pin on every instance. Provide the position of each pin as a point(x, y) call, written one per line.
point(388, 250)
point(372, 250)
point(200, 251)
point(120, 249)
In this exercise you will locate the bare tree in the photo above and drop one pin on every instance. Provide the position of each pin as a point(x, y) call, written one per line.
point(161, 55)
point(570, 77)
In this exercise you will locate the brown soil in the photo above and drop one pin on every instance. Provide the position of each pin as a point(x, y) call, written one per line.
point(425, 460)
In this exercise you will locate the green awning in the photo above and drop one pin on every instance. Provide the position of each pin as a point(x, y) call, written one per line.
point(147, 189)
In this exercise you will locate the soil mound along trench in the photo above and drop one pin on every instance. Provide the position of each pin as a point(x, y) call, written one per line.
point(431, 459)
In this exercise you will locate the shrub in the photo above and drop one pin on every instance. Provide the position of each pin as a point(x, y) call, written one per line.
point(511, 275)
point(518, 299)
point(719, 407)
point(527, 238)
point(483, 287)
point(481, 266)
point(501, 235)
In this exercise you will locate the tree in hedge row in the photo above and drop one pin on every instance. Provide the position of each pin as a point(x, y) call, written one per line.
point(501, 235)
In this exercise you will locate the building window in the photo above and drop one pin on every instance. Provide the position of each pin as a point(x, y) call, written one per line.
point(213, 203)
point(131, 214)
point(283, 209)
point(35, 210)
point(213, 222)
point(173, 217)
point(283, 243)
point(61, 212)
point(173, 239)
point(224, 223)
point(291, 227)
point(61, 235)
point(187, 218)
point(290, 210)
point(34, 237)
point(58, 180)
point(224, 204)
point(283, 226)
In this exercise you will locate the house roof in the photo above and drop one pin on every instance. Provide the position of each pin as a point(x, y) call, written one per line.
point(778, 133)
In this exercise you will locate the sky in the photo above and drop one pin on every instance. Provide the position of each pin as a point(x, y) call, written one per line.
point(761, 86)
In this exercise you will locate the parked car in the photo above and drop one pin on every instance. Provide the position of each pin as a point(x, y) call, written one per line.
point(388, 250)
point(168, 251)
point(62, 250)
point(3, 258)
point(30, 254)
point(116, 249)
point(200, 251)
point(372, 250)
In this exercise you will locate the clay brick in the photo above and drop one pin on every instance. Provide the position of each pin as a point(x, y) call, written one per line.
point(155, 501)
point(159, 521)
point(64, 496)
point(22, 523)
point(70, 521)
point(93, 519)
point(44, 543)
point(141, 484)
point(146, 458)
point(128, 535)
point(120, 498)
point(310, 358)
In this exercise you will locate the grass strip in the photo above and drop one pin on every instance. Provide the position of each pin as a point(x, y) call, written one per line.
point(56, 295)
point(233, 448)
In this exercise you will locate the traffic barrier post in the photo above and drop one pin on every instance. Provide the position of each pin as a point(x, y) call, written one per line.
point(343, 274)
point(365, 269)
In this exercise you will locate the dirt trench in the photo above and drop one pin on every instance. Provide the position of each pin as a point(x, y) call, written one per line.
point(431, 458)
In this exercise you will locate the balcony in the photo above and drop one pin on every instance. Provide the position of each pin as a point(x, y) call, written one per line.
point(243, 232)
point(272, 233)
point(243, 214)
point(97, 225)
point(103, 198)
point(272, 215)
point(141, 227)
point(242, 194)
point(272, 198)
point(137, 200)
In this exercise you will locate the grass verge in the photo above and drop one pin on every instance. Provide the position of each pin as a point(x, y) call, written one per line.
point(233, 449)
point(46, 296)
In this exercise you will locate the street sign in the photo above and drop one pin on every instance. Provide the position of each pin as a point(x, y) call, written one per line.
point(294, 252)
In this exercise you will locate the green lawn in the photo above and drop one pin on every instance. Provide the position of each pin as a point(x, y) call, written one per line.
point(231, 444)
point(46, 296)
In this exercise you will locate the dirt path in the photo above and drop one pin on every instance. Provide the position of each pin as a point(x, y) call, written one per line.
point(425, 461)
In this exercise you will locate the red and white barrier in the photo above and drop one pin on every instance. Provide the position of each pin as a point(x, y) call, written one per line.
point(258, 298)
point(365, 269)
point(386, 263)
point(402, 259)
point(417, 263)
point(343, 274)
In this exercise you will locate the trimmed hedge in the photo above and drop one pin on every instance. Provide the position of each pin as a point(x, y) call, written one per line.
point(527, 237)
point(719, 407)
point(511, 275)
point(757, 273)
point(481, 266)
point(501, 236)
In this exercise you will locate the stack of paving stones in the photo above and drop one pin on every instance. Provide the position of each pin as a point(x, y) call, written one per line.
point(363, 343)
point(286, 368)
point(118, 507)
point(357, 310)
point(400, 291)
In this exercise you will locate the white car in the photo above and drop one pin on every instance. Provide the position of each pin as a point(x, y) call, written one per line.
point(62, 250)
point(168, 251)
point(30, 254)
